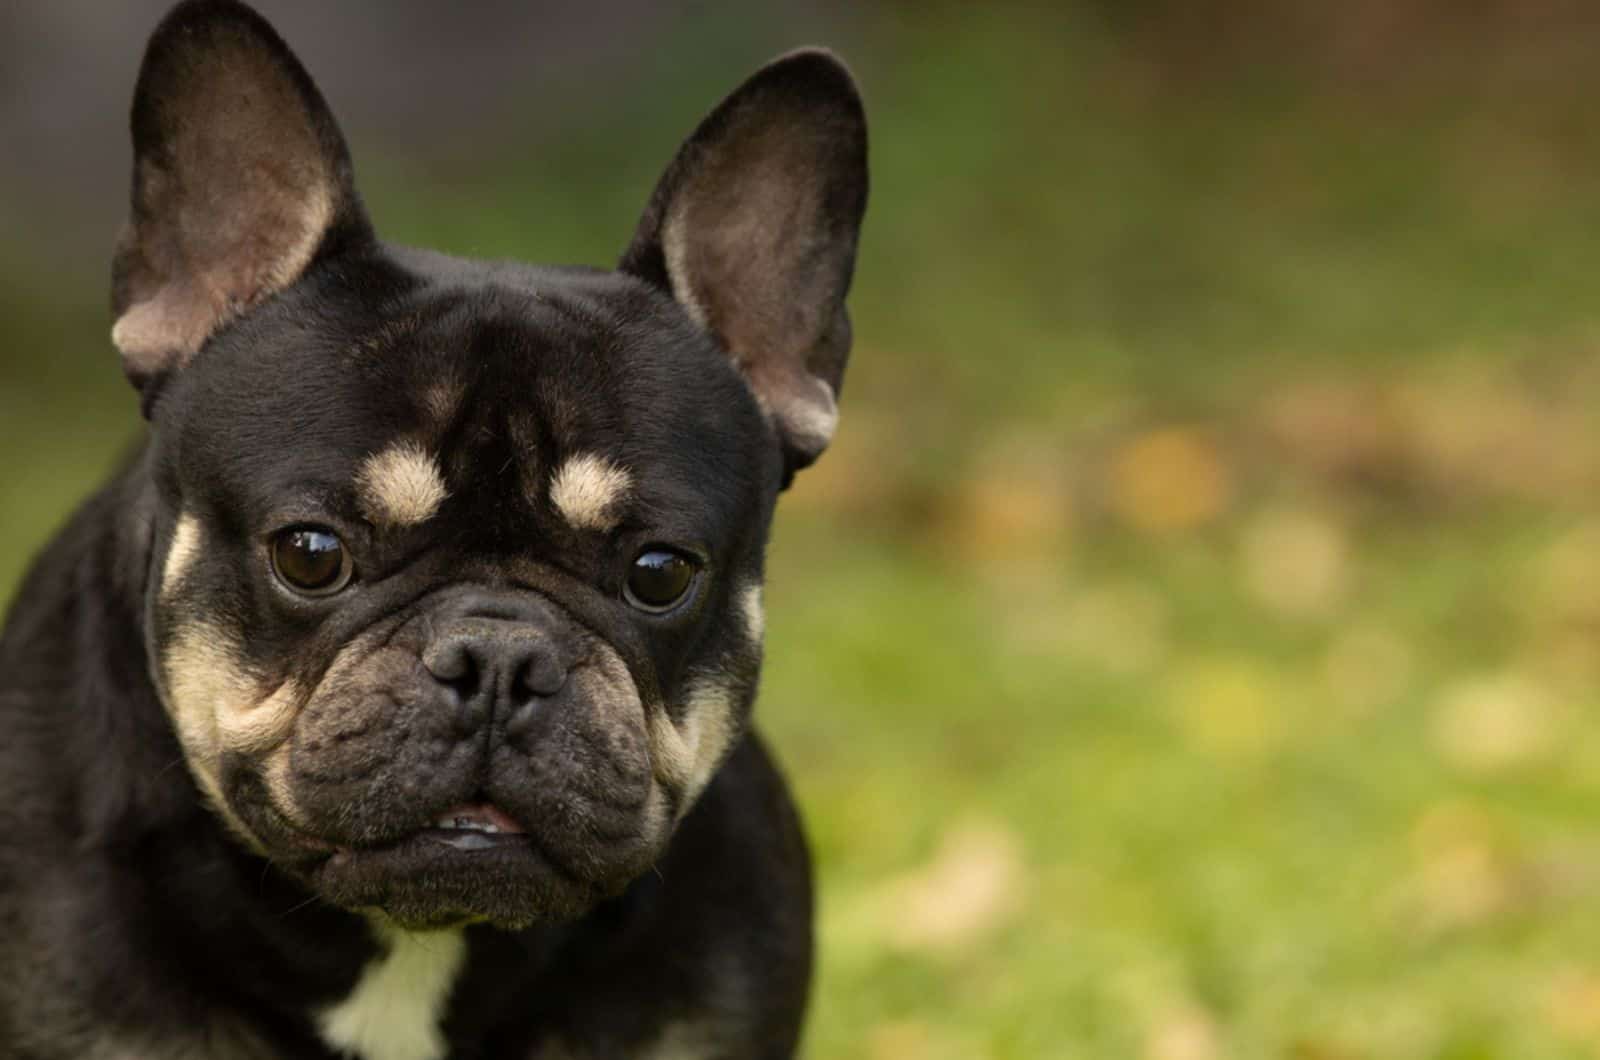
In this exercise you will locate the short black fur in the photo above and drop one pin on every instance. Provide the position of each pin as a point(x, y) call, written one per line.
point(218, 797)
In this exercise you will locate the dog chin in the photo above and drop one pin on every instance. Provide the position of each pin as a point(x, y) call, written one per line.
point(436, 878)
point(474, 862)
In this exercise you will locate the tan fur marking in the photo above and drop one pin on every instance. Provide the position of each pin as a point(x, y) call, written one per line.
point(401, 486)
point(337, 681)
point(394, 1011)
point(276, 770)
point(265, 725)
point(181, 555)
point(211, 700)
point(588, 490)
point(389, 335)
point(755, 616)
point(685, 756)
point(441, 400)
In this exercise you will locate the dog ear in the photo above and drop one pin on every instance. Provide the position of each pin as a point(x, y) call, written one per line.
point(240, 180)
point(753, 229)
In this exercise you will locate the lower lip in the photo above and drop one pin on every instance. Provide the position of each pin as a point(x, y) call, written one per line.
point(469, 841)
point(433, 850)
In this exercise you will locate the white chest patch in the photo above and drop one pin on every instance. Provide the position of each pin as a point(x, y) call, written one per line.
point(394, 1011)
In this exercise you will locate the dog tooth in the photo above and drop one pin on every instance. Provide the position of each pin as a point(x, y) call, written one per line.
point(463, 823)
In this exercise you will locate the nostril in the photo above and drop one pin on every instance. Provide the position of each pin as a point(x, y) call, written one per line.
point(537, 679)
point(453, 665)
point(539, 676)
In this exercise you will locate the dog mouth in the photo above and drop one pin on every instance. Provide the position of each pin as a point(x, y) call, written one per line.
point(480, 826)
point(472, 862)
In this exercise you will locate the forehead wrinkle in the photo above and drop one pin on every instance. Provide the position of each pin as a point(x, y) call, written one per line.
point(522, 430)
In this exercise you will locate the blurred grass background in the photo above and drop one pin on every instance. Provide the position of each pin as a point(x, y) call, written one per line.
point(1189, 649)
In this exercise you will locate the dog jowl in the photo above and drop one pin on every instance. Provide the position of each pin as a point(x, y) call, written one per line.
point(393, 702)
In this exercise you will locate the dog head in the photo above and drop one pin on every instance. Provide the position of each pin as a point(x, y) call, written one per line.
point(455, 601)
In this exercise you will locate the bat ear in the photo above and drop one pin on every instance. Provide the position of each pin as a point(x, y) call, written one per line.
point(753, 229)
point(241, 180)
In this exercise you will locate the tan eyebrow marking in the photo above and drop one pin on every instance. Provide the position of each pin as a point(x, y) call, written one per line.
point(400, 486)
point(588, 489)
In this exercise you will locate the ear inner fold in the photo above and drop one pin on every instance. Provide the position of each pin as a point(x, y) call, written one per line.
point(753, 229)
point(240, 174)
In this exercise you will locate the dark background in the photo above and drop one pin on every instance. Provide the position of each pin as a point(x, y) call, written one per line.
point(1189, 649)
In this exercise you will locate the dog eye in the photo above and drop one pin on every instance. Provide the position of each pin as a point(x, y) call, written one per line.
point(658, 579)
point(311, 560)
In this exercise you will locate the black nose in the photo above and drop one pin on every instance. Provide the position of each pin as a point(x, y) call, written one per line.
point(495, 667)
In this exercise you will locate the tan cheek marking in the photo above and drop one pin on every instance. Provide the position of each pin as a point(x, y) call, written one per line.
point(681, 760)
point(401, 486)
point(216, 704)
point(275, 771)
point(755, 616)
point(203, 680)
point(263, 726)
point(181, 556)
point(672, 750)
point(587, 490)
point(217, 707)
point(341, 680)
point(686, 756)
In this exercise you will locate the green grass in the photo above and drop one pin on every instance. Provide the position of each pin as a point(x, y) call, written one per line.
point(1284, 746)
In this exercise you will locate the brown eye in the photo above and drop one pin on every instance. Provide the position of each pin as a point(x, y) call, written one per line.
point(658, 579)
point(311, 560)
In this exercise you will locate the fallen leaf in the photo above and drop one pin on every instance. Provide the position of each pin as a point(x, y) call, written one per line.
point(1187, 1032)
point(1230, 708)
point(1572, 1004)
point(1332, 426)
point(1295, 563)
point(971, 888)
point(1463, 873)
point(1367, 666)
point(1169, 480)
point(1564, 580)
point(1014, 500)
point(1493, 723)
point(1121, 627)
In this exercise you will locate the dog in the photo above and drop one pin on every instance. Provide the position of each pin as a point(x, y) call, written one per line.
point(392, 702)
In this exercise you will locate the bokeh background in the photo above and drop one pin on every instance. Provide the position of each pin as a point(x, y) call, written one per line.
point(1190, 648)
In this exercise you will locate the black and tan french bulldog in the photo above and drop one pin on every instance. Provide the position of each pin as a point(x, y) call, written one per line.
point(393, 702)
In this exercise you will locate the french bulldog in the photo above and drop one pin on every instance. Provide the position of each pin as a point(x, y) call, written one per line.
point(392, 702)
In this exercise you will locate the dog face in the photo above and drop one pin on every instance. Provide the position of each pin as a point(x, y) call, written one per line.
point(455, 602)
